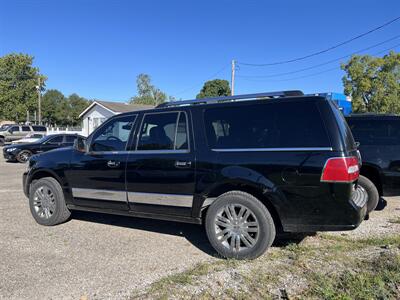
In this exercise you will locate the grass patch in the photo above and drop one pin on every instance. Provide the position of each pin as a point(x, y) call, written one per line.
point(375, 279)
point(395, 221)
point(324, 267)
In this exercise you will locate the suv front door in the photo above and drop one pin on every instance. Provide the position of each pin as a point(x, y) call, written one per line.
point(160, 173)
point(97, 177)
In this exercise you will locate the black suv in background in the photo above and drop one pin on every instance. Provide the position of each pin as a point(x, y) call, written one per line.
point(247, 166)
point(379, 138)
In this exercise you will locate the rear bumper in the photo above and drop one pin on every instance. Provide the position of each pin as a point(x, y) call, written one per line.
point(349, 218)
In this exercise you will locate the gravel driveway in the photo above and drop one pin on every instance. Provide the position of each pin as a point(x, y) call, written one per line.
point(94, 255)
point(103, 256)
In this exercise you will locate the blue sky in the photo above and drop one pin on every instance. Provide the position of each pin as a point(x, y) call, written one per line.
point(96, 48)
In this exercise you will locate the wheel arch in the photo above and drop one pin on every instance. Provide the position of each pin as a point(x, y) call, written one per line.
point(42, 173)
point(257, 192)
point(373, 173)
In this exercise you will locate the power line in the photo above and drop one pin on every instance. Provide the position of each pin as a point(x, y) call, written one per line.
point(321, 64)
point(317, 73)
point(322, 51)
point(209, 78)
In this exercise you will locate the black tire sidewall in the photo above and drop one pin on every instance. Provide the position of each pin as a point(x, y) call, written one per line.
point(267, 227)
point(371, 190)
point(2, 141)
point(55, 187)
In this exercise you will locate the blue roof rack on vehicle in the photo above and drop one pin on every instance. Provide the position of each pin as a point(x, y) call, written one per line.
point(245, 97)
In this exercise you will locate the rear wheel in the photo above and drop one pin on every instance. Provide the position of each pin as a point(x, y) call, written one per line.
point(239, 226)
point(24, 156)
point(370, 189)
point(46, 202)
point(2, 141)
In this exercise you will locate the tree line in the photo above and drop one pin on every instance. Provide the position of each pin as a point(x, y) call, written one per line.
point(372, 82)
point(19, 87)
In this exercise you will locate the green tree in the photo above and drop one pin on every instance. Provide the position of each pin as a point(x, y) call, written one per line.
point(51, 102)
point(373, 83)
point(215, 88)
point(147, 93)
point(18, 86)
point(76, 105)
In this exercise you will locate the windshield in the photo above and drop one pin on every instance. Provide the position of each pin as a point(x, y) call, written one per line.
point(4, 127)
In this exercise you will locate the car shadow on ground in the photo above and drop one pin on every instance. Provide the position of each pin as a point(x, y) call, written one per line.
point(195, 234)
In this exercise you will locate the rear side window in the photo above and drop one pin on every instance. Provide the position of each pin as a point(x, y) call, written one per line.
point(70, 139)
point(26, 128)
point(163, 131)
point(269, 125)
point(39, 128)
point(375, 132)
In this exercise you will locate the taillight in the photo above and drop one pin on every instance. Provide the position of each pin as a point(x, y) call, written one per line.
point(341, 169)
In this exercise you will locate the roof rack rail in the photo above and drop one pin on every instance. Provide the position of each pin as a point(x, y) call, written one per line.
point(245, 97)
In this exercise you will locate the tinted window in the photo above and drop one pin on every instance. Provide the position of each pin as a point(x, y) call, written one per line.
point(375, 132)
point(14, 129)
point(113, 135)
point(55, 140)
point(39, 128)
point(269, 125)
point(26, 128)
point(70, 139)
point(164, 131)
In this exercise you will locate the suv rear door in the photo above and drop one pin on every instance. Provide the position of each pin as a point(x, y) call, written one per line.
point(160, 173)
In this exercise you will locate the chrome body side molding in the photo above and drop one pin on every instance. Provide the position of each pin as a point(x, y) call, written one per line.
point(98, 194)
point(161, 199)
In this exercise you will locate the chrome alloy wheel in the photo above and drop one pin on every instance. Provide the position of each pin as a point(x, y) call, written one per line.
point(44, 202)
point(25, 156)
point(236, 227)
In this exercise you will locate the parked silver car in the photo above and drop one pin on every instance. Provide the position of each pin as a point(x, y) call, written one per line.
point(17, 132)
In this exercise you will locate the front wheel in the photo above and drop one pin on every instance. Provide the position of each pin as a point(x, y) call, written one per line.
point(24, 156)
point(46, 202)
point(239, 226)
point(2, 141)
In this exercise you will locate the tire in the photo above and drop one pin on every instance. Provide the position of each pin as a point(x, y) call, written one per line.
point(371, 190)
point(47, 193)
point(2, 141)
point(251, 243)
point(23, 156)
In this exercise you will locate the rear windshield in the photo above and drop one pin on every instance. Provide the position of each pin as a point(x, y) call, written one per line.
point(375, 132)
point(266, 125)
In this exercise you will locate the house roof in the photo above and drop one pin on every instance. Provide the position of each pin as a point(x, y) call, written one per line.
point(116, 107)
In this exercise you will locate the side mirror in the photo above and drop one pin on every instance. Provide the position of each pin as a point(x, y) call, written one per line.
point(80, 145)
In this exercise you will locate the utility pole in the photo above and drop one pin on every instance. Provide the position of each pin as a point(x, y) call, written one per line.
point(233, 78)
point(39, 102)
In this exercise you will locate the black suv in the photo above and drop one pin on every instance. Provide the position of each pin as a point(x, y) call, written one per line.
point(247, 166)
point(379, 138)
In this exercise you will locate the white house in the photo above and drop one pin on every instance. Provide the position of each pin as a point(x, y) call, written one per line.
point(99, 111)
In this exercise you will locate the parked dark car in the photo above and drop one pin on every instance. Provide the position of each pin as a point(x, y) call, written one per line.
point(379, 138)
point(246, 166)
point(22, 152)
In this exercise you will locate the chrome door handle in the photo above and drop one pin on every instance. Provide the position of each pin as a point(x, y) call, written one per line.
point(183, 164)
point(113, 163)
